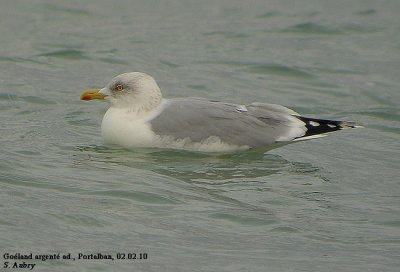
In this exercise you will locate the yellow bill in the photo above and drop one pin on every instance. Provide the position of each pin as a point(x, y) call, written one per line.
point(92, 94)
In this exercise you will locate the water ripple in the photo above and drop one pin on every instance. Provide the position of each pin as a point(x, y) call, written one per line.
point(144, 197)
point(70, 54)
point(312, 28)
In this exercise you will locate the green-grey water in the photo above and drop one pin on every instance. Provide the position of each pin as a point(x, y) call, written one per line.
point(326, 205)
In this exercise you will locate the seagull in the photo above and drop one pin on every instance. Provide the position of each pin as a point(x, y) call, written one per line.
point(139, 117)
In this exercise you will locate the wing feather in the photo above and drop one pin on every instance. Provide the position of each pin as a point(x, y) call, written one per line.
point(199, 119)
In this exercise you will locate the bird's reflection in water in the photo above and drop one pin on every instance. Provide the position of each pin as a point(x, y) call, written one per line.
point(198, 167)
point(193, 177)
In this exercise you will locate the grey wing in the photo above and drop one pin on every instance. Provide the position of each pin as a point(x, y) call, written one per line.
point(253, 125)
point(273, 107)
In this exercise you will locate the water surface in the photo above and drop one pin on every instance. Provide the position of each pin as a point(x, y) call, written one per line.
point(326, 205)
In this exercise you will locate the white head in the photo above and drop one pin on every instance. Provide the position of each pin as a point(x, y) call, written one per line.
point(134, 91)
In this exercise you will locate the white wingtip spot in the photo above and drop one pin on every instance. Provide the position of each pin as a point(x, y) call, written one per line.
point(314, 124)
point(331, 126)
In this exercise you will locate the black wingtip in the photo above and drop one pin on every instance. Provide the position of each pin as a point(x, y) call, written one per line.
point(321, 126)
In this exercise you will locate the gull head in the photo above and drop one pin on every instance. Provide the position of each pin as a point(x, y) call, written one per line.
point(135, 91)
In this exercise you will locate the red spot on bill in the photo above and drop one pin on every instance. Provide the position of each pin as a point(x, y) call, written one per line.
point(86, 97)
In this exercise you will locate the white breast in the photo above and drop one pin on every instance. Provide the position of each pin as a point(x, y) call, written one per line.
point(126, 129)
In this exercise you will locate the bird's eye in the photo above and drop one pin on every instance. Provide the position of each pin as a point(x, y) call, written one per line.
point(119, 87)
